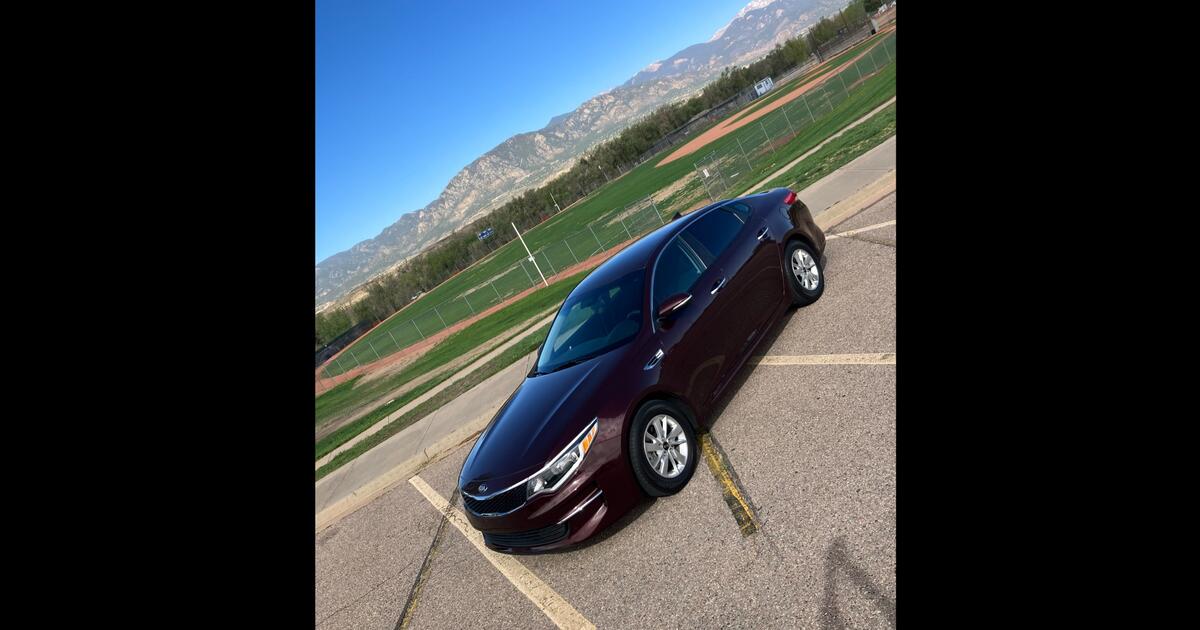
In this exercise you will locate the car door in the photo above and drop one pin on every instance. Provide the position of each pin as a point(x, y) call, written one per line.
point(723, 241)
point(759, 279)
point(687, 365)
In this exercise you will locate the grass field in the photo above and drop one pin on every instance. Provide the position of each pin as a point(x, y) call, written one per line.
point(772, 140)
point(345, 398)
point(811, 75)
point(838, 152)
point(744, 157)
point(528, 344)
point(832, 156)
point(339, 400)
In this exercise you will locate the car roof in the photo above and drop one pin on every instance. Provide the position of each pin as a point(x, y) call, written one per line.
point(639, 253)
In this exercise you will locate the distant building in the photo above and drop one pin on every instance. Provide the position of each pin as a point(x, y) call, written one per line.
point(764, 86)
point(885, 15)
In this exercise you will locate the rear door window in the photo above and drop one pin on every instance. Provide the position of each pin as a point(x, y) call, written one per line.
point(676, 271)
point(712, 233)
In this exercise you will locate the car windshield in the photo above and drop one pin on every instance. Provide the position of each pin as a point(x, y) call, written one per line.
point(593, 322)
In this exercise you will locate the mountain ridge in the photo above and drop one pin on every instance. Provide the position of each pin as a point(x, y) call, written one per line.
point(529, 159)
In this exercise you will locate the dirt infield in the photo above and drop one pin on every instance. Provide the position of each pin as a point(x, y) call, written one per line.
point(738, 121)
point(421, 347)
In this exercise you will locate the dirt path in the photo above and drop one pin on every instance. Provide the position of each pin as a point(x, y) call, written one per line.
point(738, 121)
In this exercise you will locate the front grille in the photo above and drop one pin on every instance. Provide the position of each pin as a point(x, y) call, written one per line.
point(532, 538)
point(501, 503)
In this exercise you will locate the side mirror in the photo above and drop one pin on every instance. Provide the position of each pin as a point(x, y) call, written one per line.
point(673, 304)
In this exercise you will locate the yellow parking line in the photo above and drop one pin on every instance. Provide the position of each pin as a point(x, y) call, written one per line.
point(549, 602)
point(879, 358)
point(730, 490)
point(861, 229)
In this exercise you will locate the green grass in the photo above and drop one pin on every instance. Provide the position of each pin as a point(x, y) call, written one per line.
point(409, 326)
point(832, 156)
point(337, 400)
point(839, 152)
point(528, 344)
point(455, 345)
point(873, 92)
point(634, 185)
point(811, 75)
point(638, 183)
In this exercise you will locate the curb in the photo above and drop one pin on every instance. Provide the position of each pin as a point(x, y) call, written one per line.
point(864, 198)
point(381, 484)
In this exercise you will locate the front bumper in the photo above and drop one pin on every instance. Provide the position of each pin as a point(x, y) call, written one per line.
point(598, 494)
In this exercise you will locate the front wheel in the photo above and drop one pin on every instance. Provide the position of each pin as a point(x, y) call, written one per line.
point(806, 274)
point(662, 448)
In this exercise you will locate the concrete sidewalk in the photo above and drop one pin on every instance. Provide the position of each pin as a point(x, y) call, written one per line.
point(832, 199)
point(403, 454)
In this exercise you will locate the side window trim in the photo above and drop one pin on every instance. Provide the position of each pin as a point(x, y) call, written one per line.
point(729, 208)
point(691, 254)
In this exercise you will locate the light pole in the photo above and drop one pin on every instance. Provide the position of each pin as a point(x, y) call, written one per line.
point(531, 258)
point(553, 199)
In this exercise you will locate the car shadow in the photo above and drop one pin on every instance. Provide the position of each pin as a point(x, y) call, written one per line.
point(838, 563)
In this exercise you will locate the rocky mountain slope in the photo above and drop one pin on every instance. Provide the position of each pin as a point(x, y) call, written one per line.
point(529, 159)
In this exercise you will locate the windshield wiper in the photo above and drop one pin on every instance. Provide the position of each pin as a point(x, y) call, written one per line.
point(568, 364)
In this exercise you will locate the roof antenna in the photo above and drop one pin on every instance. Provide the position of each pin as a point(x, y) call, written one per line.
point(677, 216)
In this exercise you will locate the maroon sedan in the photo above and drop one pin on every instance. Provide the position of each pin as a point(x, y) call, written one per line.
point(631, 368)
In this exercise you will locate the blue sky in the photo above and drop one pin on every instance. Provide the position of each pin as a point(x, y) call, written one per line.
point(408, 93)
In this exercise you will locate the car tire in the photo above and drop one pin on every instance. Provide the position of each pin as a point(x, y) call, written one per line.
point(799, 255)
point(644, 437)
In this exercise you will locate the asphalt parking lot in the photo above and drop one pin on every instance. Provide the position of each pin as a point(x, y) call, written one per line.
point(811, 440)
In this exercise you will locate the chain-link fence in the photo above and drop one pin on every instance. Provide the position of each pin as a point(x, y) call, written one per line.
point(748, 155)
point(615, 227)
point(739, 160)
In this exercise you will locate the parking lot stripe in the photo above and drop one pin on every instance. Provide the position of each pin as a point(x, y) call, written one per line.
point(731, 490)
point(560, 612)
point(861, 229)
point(879, 358)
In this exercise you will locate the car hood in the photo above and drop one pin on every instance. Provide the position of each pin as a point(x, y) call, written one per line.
point(536, 423)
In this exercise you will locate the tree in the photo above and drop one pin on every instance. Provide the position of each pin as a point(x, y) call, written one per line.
point(431, 267)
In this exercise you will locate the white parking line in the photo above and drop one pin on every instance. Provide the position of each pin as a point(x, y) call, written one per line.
point(879, 358)
point(861, 229)
point(549, 602)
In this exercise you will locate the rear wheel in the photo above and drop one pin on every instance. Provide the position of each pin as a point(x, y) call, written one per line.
point(662, 448)
point(806, 274)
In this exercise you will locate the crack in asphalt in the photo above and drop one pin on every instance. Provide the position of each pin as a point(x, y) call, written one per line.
point(414, 593)
point(367, 592)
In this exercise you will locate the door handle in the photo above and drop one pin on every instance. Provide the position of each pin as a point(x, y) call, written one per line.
point(654, 360)
point(719, 285)
point(762, 233)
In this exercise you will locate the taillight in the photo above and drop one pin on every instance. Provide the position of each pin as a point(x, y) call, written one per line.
point(789, 199)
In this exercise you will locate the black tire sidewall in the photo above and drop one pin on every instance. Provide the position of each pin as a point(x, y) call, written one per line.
point(801, 297)
point(650, 481)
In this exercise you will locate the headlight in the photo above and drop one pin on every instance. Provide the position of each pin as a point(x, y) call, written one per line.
point(560, 469)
